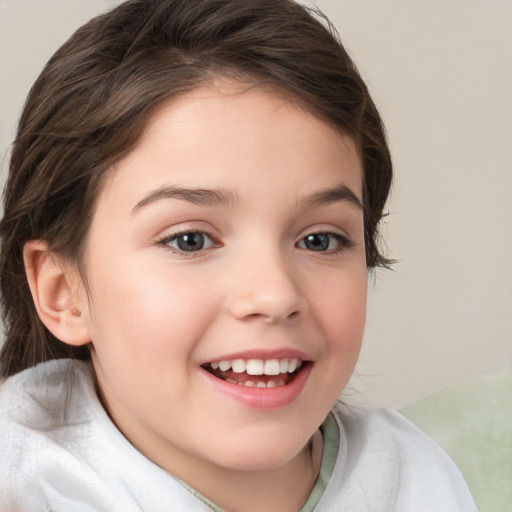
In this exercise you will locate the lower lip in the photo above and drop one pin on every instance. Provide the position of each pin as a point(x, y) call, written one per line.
point(265, 399)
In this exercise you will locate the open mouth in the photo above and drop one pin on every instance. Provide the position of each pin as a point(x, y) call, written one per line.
point(257, 373)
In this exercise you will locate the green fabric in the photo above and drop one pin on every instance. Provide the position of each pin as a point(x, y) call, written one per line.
point(331, 439)
point(472, 421)
point(212, 505)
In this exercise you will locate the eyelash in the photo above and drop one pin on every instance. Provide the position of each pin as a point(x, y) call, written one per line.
point(342, 242)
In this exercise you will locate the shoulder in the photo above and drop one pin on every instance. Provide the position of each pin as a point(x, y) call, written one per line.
point(37, 407)
point(45, 396)
point(384, 428)
point(389, 464)
point(61, 451)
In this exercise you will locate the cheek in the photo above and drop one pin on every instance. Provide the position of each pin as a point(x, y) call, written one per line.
point(151, 314)
point(340, 306)
point(339, 313)
point(144, 334)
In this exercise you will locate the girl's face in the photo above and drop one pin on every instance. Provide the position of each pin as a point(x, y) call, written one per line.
point(227, 281)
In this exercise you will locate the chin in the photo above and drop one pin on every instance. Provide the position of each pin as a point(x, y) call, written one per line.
point(260, 455)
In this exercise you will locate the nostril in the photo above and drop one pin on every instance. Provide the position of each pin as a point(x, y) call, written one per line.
point(283, 318)
point(271, 318)
point(294, 315)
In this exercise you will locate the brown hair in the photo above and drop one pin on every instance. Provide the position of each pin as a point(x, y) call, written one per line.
point(95, 96)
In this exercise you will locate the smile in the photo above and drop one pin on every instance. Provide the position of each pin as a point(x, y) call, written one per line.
point(256, 373)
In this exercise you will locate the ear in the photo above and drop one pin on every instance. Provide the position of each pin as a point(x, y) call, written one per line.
point(58, 293)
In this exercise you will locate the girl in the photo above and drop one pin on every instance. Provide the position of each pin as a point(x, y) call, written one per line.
point(190, 216)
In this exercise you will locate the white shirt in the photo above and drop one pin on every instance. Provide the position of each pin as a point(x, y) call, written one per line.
point(60, 452)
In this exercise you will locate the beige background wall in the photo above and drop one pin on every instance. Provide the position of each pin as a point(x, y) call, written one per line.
point(440, 71)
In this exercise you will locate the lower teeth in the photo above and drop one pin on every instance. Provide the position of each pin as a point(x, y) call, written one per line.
point(259, 384)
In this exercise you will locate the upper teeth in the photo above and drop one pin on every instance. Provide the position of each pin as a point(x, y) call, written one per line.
point(259, 366)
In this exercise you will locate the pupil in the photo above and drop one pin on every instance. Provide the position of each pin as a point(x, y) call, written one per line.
point(191, 242)
point(317, 242)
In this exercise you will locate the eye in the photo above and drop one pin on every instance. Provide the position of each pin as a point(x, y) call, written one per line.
point(324, 242)
point(191, 241)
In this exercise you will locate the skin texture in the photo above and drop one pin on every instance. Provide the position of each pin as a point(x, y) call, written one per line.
point(153, 314)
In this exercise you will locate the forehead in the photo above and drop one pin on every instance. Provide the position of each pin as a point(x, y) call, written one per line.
point(218, 133)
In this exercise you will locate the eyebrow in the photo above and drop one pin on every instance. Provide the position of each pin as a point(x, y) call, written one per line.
point(332, 195)
point(220, 197)
point(199, 196)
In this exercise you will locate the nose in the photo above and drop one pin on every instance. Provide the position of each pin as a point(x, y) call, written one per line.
point(266, 289)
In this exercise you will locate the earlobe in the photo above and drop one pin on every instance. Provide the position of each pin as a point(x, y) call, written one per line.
point(57, 293)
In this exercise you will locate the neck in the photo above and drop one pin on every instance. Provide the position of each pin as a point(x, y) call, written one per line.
point(285, 488)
